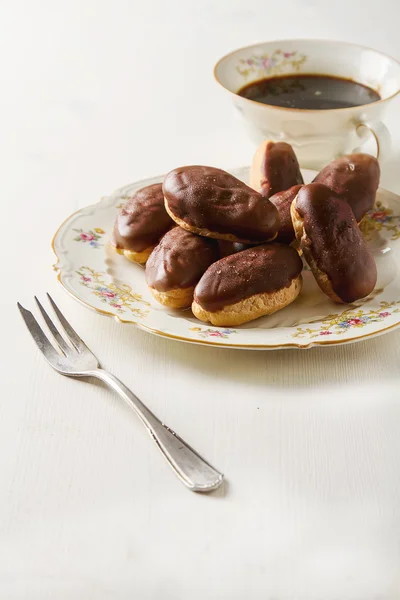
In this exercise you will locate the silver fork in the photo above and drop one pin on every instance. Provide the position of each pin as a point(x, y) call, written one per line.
point(76, 360)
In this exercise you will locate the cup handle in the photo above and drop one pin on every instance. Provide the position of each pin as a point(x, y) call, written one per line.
point(381, 134)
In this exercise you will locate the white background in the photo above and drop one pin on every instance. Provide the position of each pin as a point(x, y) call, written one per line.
point(96, 94)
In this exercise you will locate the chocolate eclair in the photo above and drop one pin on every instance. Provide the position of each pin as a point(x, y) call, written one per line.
point(283, 201)
point(354, 178)
point(213, 203)
point(332, 244)
point(176, 265)
point(274, 168)
point(140, 224)
point(247, 285)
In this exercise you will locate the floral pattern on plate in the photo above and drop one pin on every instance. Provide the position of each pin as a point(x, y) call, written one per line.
point(343, 322)
point(122, 299)
point(271, 64)
point(223, 333)
point(380, 218)
point(90, 237)
point(123, 201)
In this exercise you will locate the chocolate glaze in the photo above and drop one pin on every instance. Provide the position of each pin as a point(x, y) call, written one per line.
point(142, 221)
point(258, 270)
point(280, 169)
point(212, 199)
point(179, 260)
point(283, 201)
point(335, 242)
point(227, 248)
point(355, 178)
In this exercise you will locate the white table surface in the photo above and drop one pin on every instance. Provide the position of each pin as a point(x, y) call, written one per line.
point(96, 94)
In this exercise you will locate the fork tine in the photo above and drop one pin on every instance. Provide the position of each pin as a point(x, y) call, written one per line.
point(39, 337)
point(74, 338)
point(53, 330)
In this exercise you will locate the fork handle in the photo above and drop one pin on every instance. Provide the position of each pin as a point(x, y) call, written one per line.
point(195, 472)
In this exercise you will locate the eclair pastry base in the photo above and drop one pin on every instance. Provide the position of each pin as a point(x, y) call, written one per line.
point(136, 257)
point(179, 298)
point(250, 308)
point(212, 234)
point(305, 245)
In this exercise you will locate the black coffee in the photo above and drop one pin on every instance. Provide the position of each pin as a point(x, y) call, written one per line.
point(316, 92)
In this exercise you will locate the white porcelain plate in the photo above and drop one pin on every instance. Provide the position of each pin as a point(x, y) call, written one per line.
point(95, 275)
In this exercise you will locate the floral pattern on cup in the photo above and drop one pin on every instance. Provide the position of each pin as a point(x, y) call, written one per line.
point(348, 320)
point(91, 237)
point(271, 64)
point(379, 219)
point(121, 299)
point(213, 333)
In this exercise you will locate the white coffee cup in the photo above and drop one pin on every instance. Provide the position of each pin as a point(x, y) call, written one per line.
point(317, 136)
